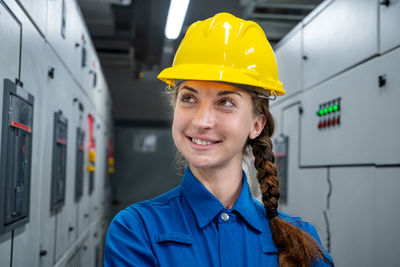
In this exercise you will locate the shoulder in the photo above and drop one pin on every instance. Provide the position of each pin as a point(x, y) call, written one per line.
point(152, 215)
point(294, 220)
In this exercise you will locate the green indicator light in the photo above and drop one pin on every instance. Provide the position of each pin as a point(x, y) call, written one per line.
point(318, 113)
point(326, 110)
point(330, 109)
point(335, 107)
point(321, 112)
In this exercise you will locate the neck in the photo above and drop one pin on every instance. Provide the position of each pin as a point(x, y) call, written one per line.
point(225, 183)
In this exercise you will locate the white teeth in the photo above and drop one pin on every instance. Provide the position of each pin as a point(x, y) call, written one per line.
point(201, 142)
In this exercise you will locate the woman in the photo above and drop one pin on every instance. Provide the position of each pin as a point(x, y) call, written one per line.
point(225, 73)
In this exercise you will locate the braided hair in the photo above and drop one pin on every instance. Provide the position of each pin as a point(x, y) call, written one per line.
point(295, 246)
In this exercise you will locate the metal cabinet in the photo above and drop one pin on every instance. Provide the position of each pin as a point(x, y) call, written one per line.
point(66, 220)
point(289, 60)
point(58, 33)
point(33, 75)
point(57, 98)
point(84, 211)
point(37, 11)
point(385, 103)
point(330, 48)
point(352, 216)
point(387, 216)
point(306, 189)
point(343, 141)
point(10, 30)
point(388, 26)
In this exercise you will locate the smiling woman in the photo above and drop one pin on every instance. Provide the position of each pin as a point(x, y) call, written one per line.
point(220, 111)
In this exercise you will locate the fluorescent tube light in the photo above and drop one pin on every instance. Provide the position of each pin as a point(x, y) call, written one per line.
point(176, 15)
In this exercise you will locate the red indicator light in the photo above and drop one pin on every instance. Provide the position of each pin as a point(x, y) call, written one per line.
point(21, 126)
point(61, 141)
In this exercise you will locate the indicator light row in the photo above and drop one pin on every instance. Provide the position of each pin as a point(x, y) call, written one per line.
point(328, 110)
point(329, 107)
point(335, 121)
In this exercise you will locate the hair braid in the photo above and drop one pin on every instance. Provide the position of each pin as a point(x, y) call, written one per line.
point(295, 247)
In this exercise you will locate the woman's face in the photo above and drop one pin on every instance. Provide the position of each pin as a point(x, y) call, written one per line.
point(212, 122)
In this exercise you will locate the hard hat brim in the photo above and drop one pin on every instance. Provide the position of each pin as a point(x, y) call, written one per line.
point(206, 72)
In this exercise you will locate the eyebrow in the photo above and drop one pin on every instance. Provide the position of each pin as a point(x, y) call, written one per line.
point(219, 93)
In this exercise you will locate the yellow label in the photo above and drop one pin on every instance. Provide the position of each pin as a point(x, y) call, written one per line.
point(90, 168)
point(92, 156)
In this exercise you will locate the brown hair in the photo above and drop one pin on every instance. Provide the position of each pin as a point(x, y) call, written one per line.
point(295, 246)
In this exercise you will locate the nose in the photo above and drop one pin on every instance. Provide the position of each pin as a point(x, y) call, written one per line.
point(204, 117)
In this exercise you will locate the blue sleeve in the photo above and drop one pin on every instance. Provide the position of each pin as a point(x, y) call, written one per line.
point(127, 242)
point(309, 228)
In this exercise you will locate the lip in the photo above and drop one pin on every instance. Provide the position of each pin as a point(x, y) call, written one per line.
point(201, 147)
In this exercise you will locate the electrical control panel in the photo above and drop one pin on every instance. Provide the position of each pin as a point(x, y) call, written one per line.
point(281, 162)
point(16, 150)
point(59, 161)
point(329, 114)
point(79, 165)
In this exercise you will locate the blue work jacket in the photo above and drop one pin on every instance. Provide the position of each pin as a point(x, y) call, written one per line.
point(188, 226)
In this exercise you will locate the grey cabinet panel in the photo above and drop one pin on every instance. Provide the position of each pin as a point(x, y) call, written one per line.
point(385, 105)
point(387, 216)
point(10, 30)
point(5, 249)
point(330, 47)
point(352, 218)
point(346, 143)
point(289, 60)
point(389, 26)
point(307, 189)
point(37, 11)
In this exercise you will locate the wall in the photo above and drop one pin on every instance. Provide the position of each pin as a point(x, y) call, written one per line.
point(46, 52)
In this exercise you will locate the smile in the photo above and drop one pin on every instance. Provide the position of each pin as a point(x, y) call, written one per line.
point(202, 142)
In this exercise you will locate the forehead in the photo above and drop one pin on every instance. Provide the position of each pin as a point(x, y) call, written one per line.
point(209, 86)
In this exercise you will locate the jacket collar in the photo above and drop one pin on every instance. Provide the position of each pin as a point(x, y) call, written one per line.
point(206, 206)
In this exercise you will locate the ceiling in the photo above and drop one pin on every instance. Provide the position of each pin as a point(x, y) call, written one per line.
point(129, 38)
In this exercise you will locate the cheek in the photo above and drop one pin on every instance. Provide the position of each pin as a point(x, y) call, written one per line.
point(240, 128)
point(177, 124)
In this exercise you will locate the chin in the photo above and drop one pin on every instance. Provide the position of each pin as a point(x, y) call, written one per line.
point(200, 163)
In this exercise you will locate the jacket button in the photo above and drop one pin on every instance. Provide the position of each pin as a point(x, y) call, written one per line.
point(224, 216)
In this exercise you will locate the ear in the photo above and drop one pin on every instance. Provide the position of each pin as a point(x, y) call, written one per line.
point(258, 126)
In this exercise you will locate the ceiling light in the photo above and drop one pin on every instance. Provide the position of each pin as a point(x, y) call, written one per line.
point(176, 15)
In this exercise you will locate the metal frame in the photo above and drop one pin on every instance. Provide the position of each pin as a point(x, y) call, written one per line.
point(6, 155)
point(57, 201)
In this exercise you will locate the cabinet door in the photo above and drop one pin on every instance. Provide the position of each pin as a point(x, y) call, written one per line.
point(352, 217)
point(289, 60)
point(387, 216)
point(306, 189)
point(37, 11)
point(342, 35)
point(352, 141)
point(389, 25)
point(385, 103)
point(10, 30)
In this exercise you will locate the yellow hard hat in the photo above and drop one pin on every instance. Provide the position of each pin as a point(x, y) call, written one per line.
point(225, 48)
